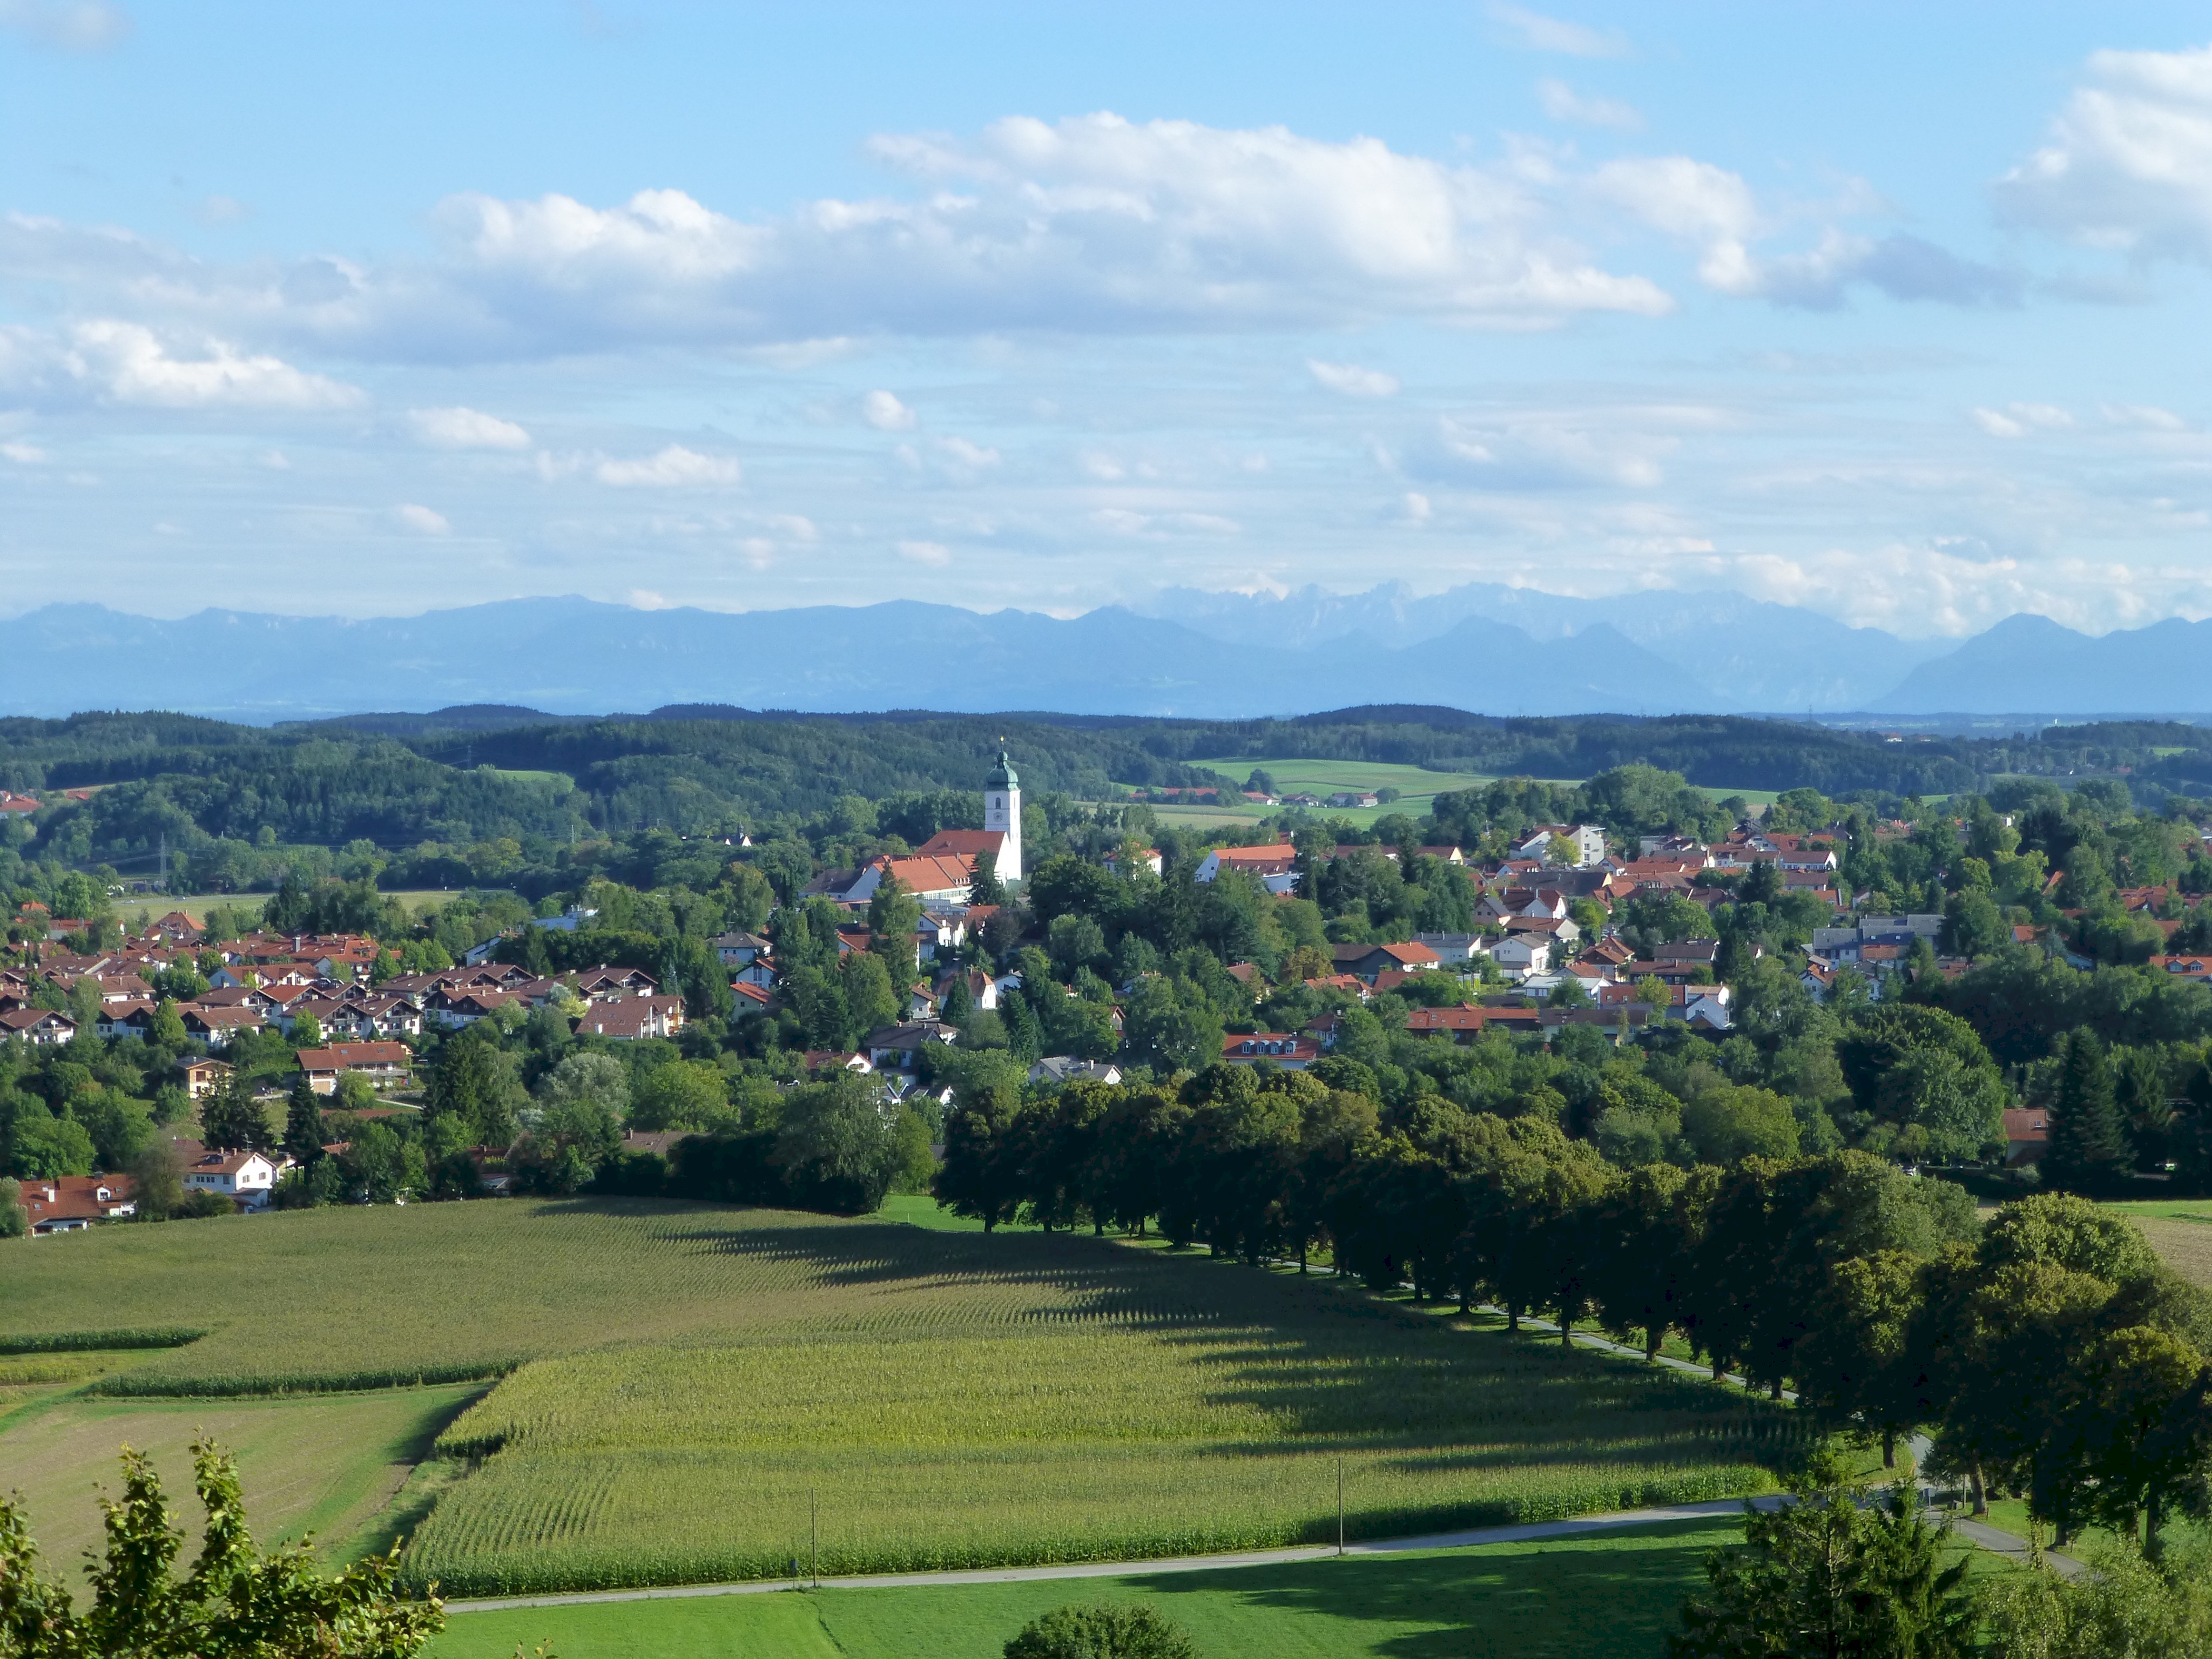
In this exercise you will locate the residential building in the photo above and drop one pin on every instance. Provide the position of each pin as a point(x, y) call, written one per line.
point(632, 1020)
point(1066, 1068)
point(1366, 961)
point(1291, 1053)
point(205, 1077)
point(69, 1203)
point(40, 1027)
point(898, 1048)
point(245, 1178)
point(384, 1064)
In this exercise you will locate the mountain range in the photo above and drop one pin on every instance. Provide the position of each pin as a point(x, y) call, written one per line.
point(1492, 649)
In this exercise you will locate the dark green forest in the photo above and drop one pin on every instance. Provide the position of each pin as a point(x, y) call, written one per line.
point(221, 797)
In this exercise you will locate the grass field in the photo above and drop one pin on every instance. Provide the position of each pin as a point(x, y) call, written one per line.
point(327, 1464)
point(949, 1399)
point(2181, 1230)
point(1565, 1599)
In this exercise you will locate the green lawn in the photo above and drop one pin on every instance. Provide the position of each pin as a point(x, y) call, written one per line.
point(1609, 1596)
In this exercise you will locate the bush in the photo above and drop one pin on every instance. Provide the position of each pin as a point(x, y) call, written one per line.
point(1102, 1631)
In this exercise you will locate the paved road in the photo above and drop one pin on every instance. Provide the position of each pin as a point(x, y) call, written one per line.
point(1441, 1540)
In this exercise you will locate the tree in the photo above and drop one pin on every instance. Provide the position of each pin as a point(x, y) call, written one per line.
point(836, 1147)
point(981, 1175)
point(232, 1120)
point(2088, 1151)
point(1856, 1365)
point(1731, 1122)
point(236, 1602)
point(893, 916)
point(303, 1122)
point(2127, 1604)
point(1169, 1026)
point(984, 886)
point(1107, 1630)
point(15, 1222)
point(1830, 1576)
point(681, 1094)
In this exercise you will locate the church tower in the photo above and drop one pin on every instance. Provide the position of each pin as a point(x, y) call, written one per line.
point(1002, 810)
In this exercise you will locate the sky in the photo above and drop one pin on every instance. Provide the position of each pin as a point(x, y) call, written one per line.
point(1896, 312)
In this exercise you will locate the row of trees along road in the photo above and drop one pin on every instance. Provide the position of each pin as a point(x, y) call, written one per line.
point(2048, 1352)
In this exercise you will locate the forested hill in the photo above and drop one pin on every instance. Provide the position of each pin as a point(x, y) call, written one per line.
point(467, 775)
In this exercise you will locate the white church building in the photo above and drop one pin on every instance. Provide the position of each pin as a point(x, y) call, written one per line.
point(938, 870)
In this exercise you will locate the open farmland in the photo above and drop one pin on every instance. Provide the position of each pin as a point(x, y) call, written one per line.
point(689, 1375)
point(2181, 1230)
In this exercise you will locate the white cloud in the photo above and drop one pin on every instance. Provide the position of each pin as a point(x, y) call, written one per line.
point(1715, 211)
point(465, 428)
point(644, 598)
point(884, 412)
point(1106, 468)
point(1542, 453)
point(23, 455)
point(1563, 103)
point(674, 467)
point(70, 24)
point(1417, 507)
point(123, 362)
point(2148, 416)
point(962, 455)
point(1555, 34)
point(928, 553)
point(2130, 163)
point(423, 520)
point(2018, 420)
point(1353, 380)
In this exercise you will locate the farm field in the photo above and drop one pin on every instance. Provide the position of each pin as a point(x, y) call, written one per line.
point(1584, 1598)
point(694, 1373)
point(327, 1463)
point(2181, 1230)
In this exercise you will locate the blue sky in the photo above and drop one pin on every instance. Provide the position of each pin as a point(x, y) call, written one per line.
point(1898, 313)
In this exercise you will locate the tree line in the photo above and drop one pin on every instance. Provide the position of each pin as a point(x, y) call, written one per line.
point(2048, 1352)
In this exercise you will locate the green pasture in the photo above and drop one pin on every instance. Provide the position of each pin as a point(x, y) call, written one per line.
point(2180, 1229)
point(1595, 1596)
point(680, 1382)
point(326, 1464)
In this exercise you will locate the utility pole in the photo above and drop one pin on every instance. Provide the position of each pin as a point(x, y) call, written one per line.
point(813, 1538)
point(1339, 1503)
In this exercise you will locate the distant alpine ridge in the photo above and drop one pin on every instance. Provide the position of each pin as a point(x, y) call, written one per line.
point(1488, 649)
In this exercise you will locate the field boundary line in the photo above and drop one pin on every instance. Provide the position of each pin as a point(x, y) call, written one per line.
point(1523, 1531)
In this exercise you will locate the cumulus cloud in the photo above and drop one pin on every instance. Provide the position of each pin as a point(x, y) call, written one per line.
point(2129, 161)
point(21, 453)
point(1715, 211)
point(1353, 380)
point(673, 468)
point(884, 412)
point(106, 360)
point(1563, 103)
point(423, 520)
point(928, 553)
point(465, 428)
point(1543, 33)
point(66, 25)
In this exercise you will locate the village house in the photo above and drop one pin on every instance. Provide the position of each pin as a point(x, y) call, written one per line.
point(1275, 864)
point(1291, 1053)
point(41, 1027)
point(204, 1077)
point(384, 1064)
point(1366, 961)
point(245, 1178)
point(69, 1203)
point(633, 1019)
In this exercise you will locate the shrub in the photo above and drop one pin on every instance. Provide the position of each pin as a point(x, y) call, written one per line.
point(1102, 1630)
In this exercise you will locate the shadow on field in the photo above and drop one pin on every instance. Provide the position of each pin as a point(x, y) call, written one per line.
point(1572, 1598)
point(1338, 1370)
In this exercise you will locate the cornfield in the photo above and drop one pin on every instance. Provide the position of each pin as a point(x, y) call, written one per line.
point(685, 1388)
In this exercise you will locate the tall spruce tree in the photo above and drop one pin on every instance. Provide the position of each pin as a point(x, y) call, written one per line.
point(303, 1123)
point(2088, 1151)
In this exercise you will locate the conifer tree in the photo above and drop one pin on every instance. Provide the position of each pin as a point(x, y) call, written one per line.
point(303, 1123)
point(2088, 1151)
